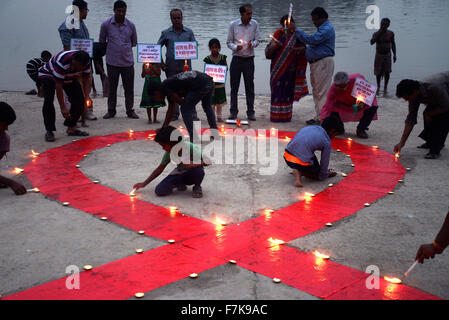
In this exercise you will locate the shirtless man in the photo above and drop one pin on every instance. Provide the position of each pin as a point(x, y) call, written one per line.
point(384, 40)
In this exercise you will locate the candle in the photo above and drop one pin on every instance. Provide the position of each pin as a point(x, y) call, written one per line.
point(186, 66)
point(17, 170)
point(133, 192)
point(397, 155)
point(275, 241)
point(220, 221)
point(321, 255)
point(88, 103)
point(411, 268)
point(34, 154)
point(239, 122)
point(393, 280)
point(139, 295)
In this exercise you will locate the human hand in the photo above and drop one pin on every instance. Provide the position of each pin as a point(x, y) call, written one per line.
point(394, 59)
point(239, 47)
point(425, 251)
point(65, 112)
point(250, 45)
point(18, 188)
point(397, 148)
point(139, 185)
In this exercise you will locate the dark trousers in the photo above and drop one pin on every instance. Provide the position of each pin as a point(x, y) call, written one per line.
point(238, 67)
point(191, 177)
point(310, 171)
point(127, 74)
point(76, 98)
point(171, 73)
point(190, 102)
point(368, 115)
point(435, 132)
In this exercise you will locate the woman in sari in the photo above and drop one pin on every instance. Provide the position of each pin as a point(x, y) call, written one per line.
point(287, 72)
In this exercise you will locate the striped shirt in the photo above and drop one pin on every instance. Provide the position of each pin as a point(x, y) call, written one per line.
point(58, 68)
point(33, 67)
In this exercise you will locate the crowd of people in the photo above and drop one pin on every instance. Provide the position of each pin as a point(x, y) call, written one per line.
point(69, 74)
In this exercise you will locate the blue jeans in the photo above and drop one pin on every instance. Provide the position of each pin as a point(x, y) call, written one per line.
point(191, 177)
point(188, 107)
point(238, 67)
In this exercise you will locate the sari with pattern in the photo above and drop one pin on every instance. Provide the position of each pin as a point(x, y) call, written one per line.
point(287, 77)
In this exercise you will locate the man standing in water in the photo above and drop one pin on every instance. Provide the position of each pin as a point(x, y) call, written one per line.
point(384, 40)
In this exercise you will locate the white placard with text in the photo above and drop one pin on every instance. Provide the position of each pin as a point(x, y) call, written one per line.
point(217, 72)
point(83, 44)
point(186, 50)
point(147, 52)
point(364, 91)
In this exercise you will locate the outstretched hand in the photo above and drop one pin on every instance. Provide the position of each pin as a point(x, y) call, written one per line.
point(425, 251)
point(139, 185)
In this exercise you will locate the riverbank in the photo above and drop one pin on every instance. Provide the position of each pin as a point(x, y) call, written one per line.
point(39, 238)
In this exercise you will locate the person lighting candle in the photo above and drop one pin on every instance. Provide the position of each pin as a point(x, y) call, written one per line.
point(440, 243)
point(341, 102)
point(7, 117)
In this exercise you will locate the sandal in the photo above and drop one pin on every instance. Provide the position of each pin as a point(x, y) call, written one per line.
point(78, 133)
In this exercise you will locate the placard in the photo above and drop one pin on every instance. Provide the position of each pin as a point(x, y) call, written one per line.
point(364, 91)
point(147, 52)
point(217, 72)
point(186, 50)
point(83, 44)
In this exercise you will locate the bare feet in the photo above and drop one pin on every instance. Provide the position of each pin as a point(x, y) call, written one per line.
point(298, 184)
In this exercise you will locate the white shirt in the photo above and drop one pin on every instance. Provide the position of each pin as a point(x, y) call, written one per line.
point(238, 33)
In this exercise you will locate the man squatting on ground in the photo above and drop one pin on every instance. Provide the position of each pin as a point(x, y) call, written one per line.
point(434, 93)
point(7, 117)
point(300, 152)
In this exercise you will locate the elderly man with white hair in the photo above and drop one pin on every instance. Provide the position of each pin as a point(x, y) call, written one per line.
point(340, 101)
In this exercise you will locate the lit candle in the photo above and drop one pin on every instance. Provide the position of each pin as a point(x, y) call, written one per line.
point(220, 221)
point(17, 170)
point(275, 241)
point(133, 192)
point(186, 66)
point(397, 155)
point(393, 280)
point(274, 131)
point(147, 68)
point(88, 103)
point(321, 255)
point(34, 154)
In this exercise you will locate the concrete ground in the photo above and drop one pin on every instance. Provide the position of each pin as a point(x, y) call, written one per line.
point(39, 238)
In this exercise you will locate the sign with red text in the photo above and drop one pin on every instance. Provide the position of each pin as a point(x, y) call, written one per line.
point(186, 50)
point(364, 91)
point(217, 72)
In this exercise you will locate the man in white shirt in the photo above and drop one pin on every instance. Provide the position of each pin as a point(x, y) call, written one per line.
point(243, 37)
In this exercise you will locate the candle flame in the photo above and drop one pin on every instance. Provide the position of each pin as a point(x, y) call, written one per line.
point(397, 155)
point(220, 221)
point(133, 192)
point(393, 280)
point(268, 211)
point(375, 147)
point(349, 139)
point(287, 139)
point(321, 255)
point(18, 170)
point(309, 194)
point(34, 154)
point(275, 241)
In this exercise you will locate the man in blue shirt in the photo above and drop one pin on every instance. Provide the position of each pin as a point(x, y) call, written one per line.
point(319, 53)
point(300, 152)
point(68, 32)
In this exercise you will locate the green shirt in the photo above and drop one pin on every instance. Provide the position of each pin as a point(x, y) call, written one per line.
point(190, 154)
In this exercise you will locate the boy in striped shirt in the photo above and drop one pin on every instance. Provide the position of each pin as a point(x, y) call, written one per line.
point(62, 73)
point(33, 67)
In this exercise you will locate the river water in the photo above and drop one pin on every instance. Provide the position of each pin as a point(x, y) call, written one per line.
point(29, 26)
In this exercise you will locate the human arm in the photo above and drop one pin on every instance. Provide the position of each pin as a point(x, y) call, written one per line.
point(256, 40)
point(407, 130)
point(323, 33)
point(156, 173)
point(393, 47)
point(18, 188)
point(133, 36)
point(60, 96)
point(231, 39)
point(440, 243)
point(324, 163)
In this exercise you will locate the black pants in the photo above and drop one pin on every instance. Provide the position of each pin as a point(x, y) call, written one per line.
point(238, 67)
point(76, 98)
point(191, 177)
point(435, 132)
point(127, 74)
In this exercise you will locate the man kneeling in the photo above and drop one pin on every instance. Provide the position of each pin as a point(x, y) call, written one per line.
point(189, 170)
point(300, 152)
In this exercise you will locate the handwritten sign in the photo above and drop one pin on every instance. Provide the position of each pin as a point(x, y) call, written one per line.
point(217, 72)
point(147, 52)
point(364, 91)
point(186, 50)
point(83, 44)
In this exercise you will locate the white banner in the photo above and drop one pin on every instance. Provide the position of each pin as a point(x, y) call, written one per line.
point(364, 91)
point(217, 72)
